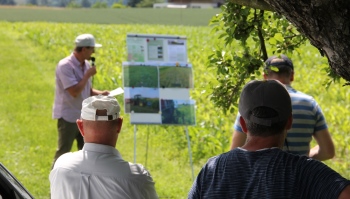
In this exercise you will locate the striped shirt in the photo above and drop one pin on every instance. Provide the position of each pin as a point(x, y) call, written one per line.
point(266, 173)
point(307, 120)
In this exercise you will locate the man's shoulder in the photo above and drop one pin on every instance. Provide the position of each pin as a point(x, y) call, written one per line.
point(138, 169)
point(69, 60)
point(67, 159)
point(298, 96)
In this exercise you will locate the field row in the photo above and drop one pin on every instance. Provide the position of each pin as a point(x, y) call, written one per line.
point(185, 17)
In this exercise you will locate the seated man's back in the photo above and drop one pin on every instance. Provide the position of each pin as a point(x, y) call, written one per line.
point(104, 174)
point(98, 170)
point(260, 169)
point(267, 173)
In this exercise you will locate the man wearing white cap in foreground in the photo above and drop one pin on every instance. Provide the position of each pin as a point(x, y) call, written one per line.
point(98, 170)
point(260, 168)
point(73, 85)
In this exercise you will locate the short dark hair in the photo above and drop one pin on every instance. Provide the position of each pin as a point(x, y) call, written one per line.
point(262, 130)
point(280, 65)
point(80, 48)
point(282, 71)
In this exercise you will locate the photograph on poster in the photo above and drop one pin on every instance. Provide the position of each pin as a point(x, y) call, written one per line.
point(136, 49)
point(141, 100)
point(175, 77)
point(140, 76)
point(178, 112)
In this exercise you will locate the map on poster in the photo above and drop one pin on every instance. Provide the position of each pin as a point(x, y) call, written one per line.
point(157, 80)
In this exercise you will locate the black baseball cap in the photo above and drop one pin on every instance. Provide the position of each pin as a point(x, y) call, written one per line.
point(266, 93)
point(279, 62)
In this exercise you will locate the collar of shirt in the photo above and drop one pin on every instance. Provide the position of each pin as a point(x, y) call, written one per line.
point(76, 62)
point(101, 148)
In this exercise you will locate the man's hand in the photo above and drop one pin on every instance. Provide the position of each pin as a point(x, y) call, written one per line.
point(98, 92)
point(91, 71)
point(104, 92)
point(325, 148)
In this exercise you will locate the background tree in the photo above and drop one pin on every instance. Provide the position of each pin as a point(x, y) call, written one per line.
point(44, 2)
point(99, 4)
point(148, 3)
point(32, 2)
point(85, 4)
point(7, 2)
point(133, 3)
point(252, 25)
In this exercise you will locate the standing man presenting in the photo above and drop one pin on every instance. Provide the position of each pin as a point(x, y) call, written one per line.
point(308, 119)
point(73, 85)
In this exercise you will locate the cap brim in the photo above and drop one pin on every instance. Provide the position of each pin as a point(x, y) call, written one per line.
point(98, 45)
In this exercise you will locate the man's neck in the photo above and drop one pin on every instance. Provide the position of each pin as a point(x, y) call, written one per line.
point(255, 143)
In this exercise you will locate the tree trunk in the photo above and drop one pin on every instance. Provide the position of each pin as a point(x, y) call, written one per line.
point(326, 23)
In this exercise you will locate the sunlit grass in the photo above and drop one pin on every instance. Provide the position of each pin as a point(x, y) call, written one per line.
point(30, 52)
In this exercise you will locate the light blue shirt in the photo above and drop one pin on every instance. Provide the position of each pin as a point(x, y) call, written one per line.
point(98, 171)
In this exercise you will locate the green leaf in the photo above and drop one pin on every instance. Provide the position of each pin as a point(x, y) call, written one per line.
point(279, 37)
point(274, 68)
point(272, 41)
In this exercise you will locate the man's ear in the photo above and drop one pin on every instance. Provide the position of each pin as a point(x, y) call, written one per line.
point(292, 76)
point(265, 76)
point(289, 122)
point(80, 126)
point(120, 124)
point(243, 124)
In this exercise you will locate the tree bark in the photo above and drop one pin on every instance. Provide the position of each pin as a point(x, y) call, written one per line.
point(326, 23)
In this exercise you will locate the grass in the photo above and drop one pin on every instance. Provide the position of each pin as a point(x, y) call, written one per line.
point(28, 134)
point(186, 17)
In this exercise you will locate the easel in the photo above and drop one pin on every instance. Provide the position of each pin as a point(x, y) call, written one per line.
point(188, 145)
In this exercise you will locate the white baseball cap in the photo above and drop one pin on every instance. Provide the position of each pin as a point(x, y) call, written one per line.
point(100, 102)
point(86, 40)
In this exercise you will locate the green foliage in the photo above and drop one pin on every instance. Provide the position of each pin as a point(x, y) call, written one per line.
point(246, 37)
point(73, 4)
point(148, 3)
point(99, 4)
point(118, 5)
point(133, 3)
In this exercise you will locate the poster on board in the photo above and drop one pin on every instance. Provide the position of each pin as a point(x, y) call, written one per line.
point(157, 80)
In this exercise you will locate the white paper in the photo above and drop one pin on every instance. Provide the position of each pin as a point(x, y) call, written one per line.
point(115, 92)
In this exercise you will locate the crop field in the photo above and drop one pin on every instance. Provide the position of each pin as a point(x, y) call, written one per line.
point(186, 17)
point(31, 50)
point(140, 76)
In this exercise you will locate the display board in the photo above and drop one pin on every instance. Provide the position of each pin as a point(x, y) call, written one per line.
point(157, 80)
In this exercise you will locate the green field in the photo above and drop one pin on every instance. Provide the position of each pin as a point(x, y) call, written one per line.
point(186, 17)
point(31, 50)
point(140, 76)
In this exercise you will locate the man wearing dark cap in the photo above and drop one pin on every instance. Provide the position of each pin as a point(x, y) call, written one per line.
point(73, 85)
point(98, 170)
point(260, 168)
point(308, 119)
